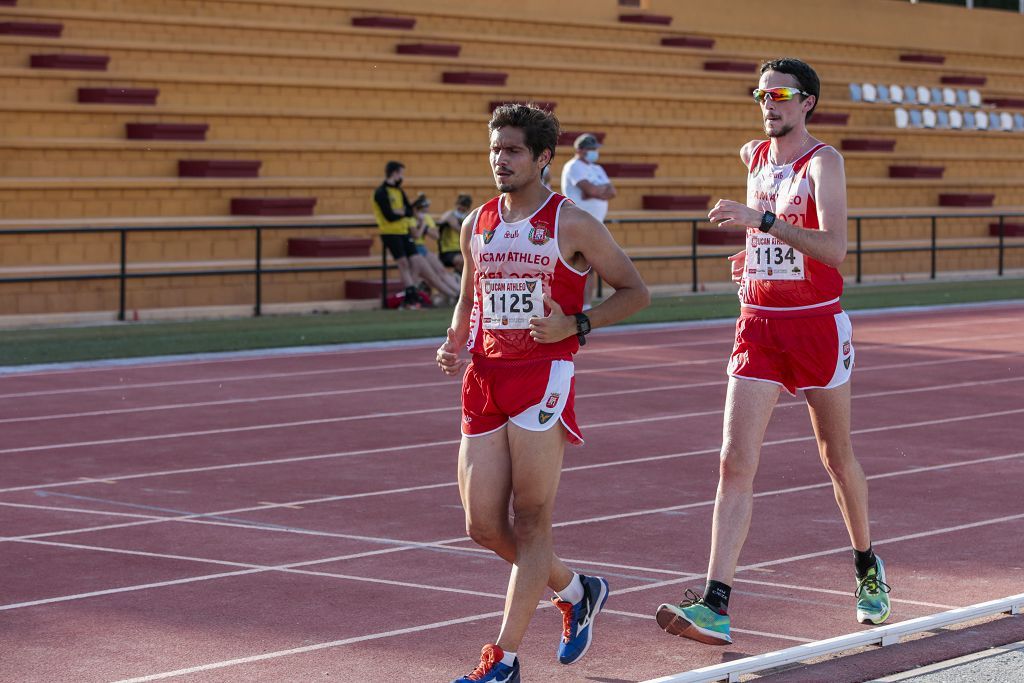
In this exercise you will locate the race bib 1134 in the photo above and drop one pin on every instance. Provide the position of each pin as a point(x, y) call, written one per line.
point(768, 258)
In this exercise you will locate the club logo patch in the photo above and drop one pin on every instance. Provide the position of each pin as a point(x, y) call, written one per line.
point(544, 417)
point(796, 269)
point(846, 348)
point(846, 363)
point(531, 285)
point(552, 400)
point(488, 236)
point(539, 233)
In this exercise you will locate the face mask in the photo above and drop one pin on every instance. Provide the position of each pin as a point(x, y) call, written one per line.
point(398, 183)
point(591, 155)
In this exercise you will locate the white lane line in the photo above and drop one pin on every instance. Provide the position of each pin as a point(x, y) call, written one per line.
point(426, 364)
point(245, 568)
point(291, 397)
point(489, 615)
point(332, 420)
point(778, 636)
point(803, 588)
point(299, 373)
point(312, 648)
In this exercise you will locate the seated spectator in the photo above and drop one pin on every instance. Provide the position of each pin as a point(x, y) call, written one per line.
point(450, 226)
point(432, 270)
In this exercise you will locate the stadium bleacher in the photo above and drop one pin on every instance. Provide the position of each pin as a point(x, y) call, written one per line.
point(154, 113)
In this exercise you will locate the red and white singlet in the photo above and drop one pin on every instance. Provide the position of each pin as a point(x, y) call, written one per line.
point(778, 280)
point(516, 264)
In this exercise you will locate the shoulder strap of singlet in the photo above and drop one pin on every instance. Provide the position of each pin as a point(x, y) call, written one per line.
point(802, 162)
point(759, 156)
point(488, 216)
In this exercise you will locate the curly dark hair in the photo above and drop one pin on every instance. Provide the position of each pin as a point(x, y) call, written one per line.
point(540, 127)
point(804, 75)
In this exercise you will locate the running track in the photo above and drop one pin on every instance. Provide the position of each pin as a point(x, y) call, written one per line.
point(294, 517)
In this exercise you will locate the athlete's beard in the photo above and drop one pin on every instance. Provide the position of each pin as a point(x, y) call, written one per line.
point(780, 134)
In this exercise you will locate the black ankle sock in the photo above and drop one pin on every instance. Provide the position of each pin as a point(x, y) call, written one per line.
point(864, 560)
point(716, 596)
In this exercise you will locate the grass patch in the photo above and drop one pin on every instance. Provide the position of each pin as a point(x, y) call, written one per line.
point(134, 339)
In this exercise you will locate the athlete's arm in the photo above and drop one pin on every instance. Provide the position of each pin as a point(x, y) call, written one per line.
point(458, 334)
point(584, 240)
point(747, 152)
point(828, 186)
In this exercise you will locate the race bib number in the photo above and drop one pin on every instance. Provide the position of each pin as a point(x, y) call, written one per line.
point(771, 259)
point(509, 304)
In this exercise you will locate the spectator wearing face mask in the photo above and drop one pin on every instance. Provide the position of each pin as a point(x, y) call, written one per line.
point(586, 184)
point(450, 226)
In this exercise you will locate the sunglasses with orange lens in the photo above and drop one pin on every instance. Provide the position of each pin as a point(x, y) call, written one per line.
point(777, 94)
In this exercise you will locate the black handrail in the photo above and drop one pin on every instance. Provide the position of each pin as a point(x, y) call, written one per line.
point(259, 269)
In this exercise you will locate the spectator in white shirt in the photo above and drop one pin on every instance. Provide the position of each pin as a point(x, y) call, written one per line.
point(586, 184)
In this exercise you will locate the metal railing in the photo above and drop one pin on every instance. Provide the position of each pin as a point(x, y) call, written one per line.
point(694, 255)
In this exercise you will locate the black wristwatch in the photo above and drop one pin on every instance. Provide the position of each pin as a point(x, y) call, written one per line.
point(582, 327)
point(767, 221)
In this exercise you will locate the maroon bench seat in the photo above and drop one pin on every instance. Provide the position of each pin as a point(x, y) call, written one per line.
point(475, 77)
point(273, 206)
point(369, 289)
point(922, 58)
point(867, 145)
point(650, 19)
point(966, 199)
point(146, 96)
point(329, 247)
point(721, 236)
point(70, 61)
point(623, 169)
point(36, 29)
point(8, 3)
point(1009, 229)
point(404, 23)
point(546, 105)
point(730, 66)
point(429, 49)
point(689, 41)
point(912, 171)
point(963, 80)
point(166, 131)
point(831, 118)
point(1005, 102)
point(218, 168)
point(675, 202)
point(567, 137)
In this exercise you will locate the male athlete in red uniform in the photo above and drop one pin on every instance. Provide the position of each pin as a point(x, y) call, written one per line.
point(527, 254)
point(792, 334)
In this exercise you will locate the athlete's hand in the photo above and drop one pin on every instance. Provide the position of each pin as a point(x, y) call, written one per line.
point(555, 327)
point(448, 355)
point(738, 262)
point(729, 213)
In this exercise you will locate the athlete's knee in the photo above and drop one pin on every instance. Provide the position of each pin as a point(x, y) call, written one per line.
point(736, 466)
point(485, 533)
point(530, 519)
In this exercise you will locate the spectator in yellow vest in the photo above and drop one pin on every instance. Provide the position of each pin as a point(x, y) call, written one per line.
point(395, 219)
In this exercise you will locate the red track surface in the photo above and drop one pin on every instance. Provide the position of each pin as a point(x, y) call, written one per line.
point(295, 517)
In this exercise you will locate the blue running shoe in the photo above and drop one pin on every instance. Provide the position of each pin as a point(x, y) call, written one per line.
point(578, 619)
point(490, 669)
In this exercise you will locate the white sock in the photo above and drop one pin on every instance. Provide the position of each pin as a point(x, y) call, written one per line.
point(509, 659)
point(572, 593)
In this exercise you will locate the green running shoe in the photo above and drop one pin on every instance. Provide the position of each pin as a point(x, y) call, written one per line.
point(873, 595)
point(693, 619)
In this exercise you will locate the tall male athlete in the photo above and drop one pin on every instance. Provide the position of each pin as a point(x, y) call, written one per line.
point(527, 254)
point(792, 334)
